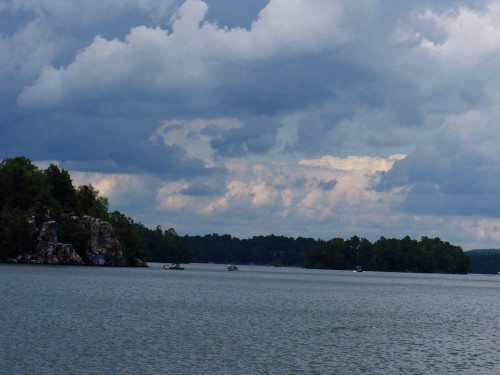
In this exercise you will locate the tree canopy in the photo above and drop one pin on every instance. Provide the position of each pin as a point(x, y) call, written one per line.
point(389, 254)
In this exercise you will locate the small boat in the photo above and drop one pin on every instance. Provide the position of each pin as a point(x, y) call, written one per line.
point(358, 269)
point(232, 267)
point(173, 266)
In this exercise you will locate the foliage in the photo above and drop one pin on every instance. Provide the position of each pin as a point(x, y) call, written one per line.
point(164, 246)
point(486, 261)
point(405, 255)
point(29, 196)
point(275, 250)
point(128, 236)
point(90, 203)
point(16, 234)
point(61, 186)
point(23, 186)
point(73, 233)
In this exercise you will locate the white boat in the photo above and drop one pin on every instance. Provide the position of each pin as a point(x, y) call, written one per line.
point(173, 266)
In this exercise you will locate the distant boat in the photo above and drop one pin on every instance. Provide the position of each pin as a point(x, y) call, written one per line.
point(173, 266)
point(232, 267)
point(358, 269)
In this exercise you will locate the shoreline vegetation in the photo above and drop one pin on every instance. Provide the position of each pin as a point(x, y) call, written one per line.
point(31, 197)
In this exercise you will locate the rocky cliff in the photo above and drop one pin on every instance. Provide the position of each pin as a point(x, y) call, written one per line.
point(49, 250)
point(103, 248)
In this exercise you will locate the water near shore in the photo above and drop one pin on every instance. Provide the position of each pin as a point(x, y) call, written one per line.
point(258, 320)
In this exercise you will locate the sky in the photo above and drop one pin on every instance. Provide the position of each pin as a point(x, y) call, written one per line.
point(301, 118)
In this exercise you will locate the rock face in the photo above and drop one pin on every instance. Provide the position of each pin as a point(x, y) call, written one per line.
point(50, 251)
point(103, 250)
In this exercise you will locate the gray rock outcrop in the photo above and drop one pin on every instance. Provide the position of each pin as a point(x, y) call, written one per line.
point(50, 251)
point(103, 248)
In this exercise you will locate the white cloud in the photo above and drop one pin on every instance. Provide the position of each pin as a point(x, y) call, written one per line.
point(362, 164)
point(455, 170)
point(194, 136)
point(292, 193)
point(23, 54)
point(471, 36)
point(128, 192)
point(298, 25)
point(153, 62)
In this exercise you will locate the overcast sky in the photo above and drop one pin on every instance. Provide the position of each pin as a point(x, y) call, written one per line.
point(312, 118)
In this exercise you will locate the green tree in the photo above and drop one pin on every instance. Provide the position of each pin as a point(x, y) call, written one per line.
point(317, 256)
point(70, 232)
point(364, 255)
point(128, 235)
point(386, 253)
point(61, 188)
point(176, 250)
point(90, 203)
point(409, 255)
point(17, 235)
point(22, 185)
point(330, 254)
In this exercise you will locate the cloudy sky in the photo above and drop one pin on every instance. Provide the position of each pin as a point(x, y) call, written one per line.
point(313, 118)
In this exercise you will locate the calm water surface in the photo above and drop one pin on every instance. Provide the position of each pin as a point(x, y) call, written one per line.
point(259, 320)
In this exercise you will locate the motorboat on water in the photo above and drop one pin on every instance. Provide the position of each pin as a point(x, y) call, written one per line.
point(232, 267)
point(173, 266)
point(358, 269)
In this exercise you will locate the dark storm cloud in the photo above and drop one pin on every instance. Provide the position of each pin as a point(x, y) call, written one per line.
point(169, 162)
point(193, 92)
point(351, 81)
point(235, 13)
point(455, 172)
point(257, 136)
point(327, 185)
point(104, 145)
point(192, 69)
point(214, 185)
point(188, 68)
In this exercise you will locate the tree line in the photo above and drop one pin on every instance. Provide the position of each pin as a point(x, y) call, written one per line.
point(484, 261)
point(264, 250)
point(29, 196)
point(386, 254)
point(389, 254)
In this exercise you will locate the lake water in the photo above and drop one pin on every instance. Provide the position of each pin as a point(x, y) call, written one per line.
point(258, 320)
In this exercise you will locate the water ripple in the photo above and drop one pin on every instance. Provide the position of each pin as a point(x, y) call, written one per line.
point(67, 320)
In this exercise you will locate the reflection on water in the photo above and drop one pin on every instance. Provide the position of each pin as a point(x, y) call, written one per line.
point(258, 320)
